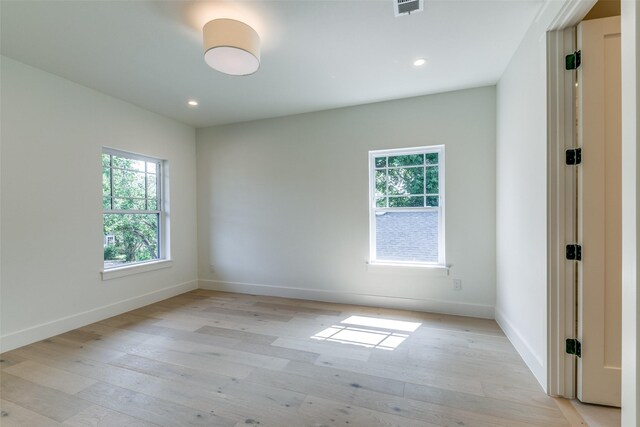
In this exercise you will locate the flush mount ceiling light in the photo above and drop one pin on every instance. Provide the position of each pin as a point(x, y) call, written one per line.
point(192, 103)
point(419, 62)
point(231, 47)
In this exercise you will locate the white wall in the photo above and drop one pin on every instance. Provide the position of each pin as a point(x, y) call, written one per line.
point(283, 203)
point(630, 18)
point(52, 134)
point(521, 212)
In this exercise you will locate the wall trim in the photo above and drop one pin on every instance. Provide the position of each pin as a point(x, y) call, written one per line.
point(415, 304)
point(55, 327)
point(572, 12)
point(526, 351)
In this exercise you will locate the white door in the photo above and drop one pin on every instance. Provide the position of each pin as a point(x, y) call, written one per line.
point(600, 212)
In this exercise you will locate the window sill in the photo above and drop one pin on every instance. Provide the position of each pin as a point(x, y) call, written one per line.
point(391, 267)
point(114, 273)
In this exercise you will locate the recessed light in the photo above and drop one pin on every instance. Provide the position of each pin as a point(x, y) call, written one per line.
point(419, 62)
point(193, 103)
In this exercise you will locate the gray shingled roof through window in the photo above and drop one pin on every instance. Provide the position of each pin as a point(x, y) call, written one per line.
point(407, 236)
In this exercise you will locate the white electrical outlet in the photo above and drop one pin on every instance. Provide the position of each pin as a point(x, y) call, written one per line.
point(457, 284)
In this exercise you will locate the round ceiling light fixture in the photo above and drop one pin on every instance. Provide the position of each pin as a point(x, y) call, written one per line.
point(192, 103)
point(231, 47)
point(419, 62)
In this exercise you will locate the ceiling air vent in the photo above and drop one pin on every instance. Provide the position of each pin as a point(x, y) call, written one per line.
point(406, 7)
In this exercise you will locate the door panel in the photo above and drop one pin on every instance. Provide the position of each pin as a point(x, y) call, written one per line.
point(600, 212)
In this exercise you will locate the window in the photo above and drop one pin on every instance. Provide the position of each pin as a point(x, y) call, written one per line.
point(133, 216)
point(407, 206)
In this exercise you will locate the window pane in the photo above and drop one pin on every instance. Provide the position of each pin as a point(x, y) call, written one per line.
point(381, 183)
point(431, 158)
point(407, 160)
point(106, 181)
point(431, 184)
point(128, 204)
point(106, 203)
point(152, 205)
point(151, 167)
point(433, 201)
point(128, 183)
point(381, 162)
point(381, 202)
point(123, 162)
point(406, 202)
point(105, 160)
point(151, 186)
point(406, 181)
point(130, 238)
point(407, 236)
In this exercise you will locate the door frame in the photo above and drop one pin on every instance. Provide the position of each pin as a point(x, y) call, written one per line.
point(556, 372)
point(561, 205)
point(630, 27)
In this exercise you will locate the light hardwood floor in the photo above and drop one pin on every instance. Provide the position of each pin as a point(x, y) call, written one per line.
point(218, 359)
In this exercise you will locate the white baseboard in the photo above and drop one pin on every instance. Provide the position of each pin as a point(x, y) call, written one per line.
point(59, 326)
point(426, 305)
point(528, 354)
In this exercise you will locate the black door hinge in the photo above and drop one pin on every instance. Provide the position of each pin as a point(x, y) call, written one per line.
point(574, 252)
point(573, 156)
point(573, 61)
point(573, 346)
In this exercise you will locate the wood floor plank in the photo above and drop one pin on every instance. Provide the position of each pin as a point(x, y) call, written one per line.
point(188, 322)
point(518, 394)
point(418, 350)
point(9, 359)
point(197, 361)
point(172, 372)
point(232, 339)
point(217, 353)
point(485, 405)
point(570, 413)
point(348, 352)
point(12, 415)
point(127, 319)
point(73, 349)
point(249, 306)
point(50, 377)
point(45, 401)
point(79, 335)
point(250, 314)
point(429, 412)
point(347, 378)
point(302, 385)
point(181, 334)
point(331, 412)
point(405, 374)
point(99, 416)
point(298, 308)
point(157, 411)
point(215, 319)
point(281, 352)
point(116, 342)
point(237, 335)
point(504, 373)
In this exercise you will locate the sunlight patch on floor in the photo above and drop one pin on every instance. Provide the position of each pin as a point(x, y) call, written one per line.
point(371, 332)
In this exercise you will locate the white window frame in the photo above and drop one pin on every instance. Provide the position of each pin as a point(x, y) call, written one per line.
point(373, 209)
point(163, 259)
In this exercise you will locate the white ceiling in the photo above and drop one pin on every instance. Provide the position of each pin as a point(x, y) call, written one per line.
point(315, 55)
